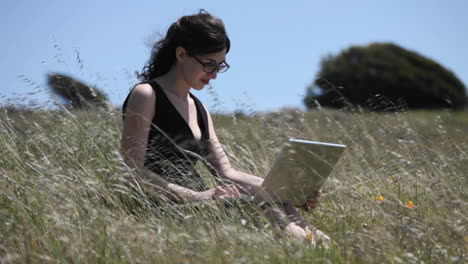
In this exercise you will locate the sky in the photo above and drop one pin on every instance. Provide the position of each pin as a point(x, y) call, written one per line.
point(275, 54)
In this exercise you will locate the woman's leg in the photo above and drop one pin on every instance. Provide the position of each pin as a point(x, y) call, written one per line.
point(294, 215)
point(313, 234)
point(274, 215)
point(277, 216)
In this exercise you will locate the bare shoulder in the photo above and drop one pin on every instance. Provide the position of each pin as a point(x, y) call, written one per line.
point(207, 111)
point(142, 99)
point(143, 90)
point(211, 128)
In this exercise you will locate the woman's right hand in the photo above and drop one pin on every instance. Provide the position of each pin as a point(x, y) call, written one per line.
point(312, 202)
point(222, 192)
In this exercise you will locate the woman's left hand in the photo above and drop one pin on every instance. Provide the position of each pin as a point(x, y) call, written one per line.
point(228, 191)
point(311, 203)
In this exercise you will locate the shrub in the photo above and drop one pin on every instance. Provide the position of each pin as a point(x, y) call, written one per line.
point(385, 71)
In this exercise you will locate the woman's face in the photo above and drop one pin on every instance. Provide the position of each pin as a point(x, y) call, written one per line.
point(192, 67)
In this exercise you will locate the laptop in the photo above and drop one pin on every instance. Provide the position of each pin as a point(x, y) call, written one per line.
point(301, 168)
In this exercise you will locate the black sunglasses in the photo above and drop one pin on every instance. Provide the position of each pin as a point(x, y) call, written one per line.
point(209, 67)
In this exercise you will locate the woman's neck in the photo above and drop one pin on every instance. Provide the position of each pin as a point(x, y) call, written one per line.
point(173, 83)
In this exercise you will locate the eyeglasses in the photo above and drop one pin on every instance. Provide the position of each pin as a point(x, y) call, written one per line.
point(210, 67)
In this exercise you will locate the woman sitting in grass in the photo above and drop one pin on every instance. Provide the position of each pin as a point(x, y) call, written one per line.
point(167, 129)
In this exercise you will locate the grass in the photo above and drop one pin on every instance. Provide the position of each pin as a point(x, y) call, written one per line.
point(64, 197)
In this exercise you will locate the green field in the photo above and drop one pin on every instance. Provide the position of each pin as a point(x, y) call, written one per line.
point(64, 196)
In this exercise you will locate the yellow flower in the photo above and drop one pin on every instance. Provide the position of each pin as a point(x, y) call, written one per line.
point(380, 198)
point(410, 204)
point(310, 237)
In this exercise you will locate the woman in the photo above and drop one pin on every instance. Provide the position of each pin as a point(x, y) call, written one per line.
point(167, 130)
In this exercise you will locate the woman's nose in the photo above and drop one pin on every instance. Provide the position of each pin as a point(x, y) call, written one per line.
point(213, 75)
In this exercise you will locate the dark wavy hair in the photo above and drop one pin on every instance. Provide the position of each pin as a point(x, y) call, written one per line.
point(199, 34)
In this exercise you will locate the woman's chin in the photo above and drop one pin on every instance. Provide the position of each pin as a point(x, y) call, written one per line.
point(199, 87)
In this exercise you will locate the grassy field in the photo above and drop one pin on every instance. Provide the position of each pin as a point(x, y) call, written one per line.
point(399, 195)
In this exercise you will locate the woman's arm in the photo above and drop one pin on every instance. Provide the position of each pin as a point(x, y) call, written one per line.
point(250, 184)
point(218, 159)
point(136, 128)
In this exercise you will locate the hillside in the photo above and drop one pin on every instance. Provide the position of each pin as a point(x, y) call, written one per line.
point(64, 196)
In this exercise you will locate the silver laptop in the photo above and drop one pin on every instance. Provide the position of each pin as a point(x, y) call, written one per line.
point(300, 169)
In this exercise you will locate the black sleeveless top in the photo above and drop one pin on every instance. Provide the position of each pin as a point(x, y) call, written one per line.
point(172, 150)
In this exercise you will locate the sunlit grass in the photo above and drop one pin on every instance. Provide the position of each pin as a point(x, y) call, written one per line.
point(398, 195)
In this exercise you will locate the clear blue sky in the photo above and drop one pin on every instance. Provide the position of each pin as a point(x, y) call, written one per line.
point(276, 45)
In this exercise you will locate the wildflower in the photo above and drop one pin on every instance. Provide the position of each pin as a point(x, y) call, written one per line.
point(310, 237)
point(379, 198)
point(410, 204)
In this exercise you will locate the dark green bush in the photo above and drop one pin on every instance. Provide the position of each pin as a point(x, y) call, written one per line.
point(385, 76)
point(76, 94)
